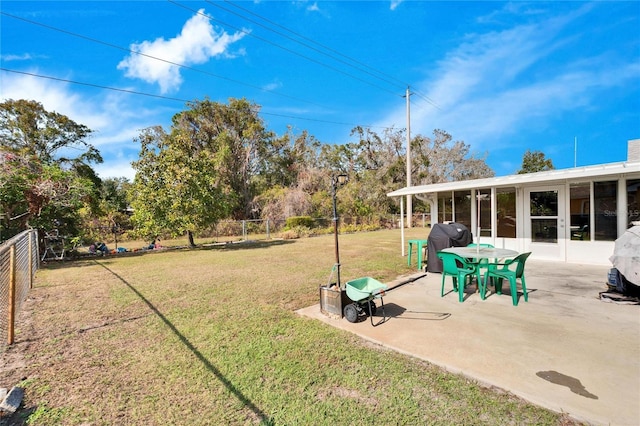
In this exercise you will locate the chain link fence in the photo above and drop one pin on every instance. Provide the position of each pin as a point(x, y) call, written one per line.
point(261, 229)
point(18, 264)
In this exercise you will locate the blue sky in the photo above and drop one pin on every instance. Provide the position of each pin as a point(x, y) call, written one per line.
point(503, 77)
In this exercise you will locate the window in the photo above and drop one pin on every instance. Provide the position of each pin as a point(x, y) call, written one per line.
point(579, 202)
point(485, 212)
point(462, 206)
point(506, 204)
point(444, 207)
point(544, 216)
point(605, 209)
point(633, 201)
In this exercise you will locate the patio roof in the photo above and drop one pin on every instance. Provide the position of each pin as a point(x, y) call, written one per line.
point(559, 175)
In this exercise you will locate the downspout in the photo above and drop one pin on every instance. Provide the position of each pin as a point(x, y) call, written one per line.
point(433, 206)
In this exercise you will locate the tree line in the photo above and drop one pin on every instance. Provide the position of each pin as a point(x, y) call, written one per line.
point(216, 161)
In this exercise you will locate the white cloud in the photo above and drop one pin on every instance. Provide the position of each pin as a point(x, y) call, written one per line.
point(23, 57)
point(112, 116)
point(395, 4)
point(509, 10)
point(487, 92)
point(116, 169)
point(53, 96)
point(314, 7)
point(196, 44)
point(275, 85)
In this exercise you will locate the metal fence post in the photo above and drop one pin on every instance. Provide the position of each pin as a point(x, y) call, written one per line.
point(12, 294)
point(268, 236)
point(30, 261)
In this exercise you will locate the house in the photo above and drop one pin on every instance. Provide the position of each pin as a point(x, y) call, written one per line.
point(570, 215)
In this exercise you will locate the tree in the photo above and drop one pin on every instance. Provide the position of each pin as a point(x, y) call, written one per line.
point(288, 178)
point(535, 161)
point(290, 161)
point(40, 186)
point(109, 217)
point(27, 128)
point(441, 159)
point(177, 186)
point(235, 139)
point(380, 165)
point(36, 195)
point(209, 166)
point(379, 168)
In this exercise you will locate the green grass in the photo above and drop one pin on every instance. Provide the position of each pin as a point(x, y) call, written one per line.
point(210, 336)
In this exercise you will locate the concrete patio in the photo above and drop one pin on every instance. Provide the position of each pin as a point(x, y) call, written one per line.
point(564, 349)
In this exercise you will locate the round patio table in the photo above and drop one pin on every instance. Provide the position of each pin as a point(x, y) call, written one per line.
point(481, 252)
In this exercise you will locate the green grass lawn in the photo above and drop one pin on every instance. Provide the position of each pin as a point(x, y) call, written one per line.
point(209, 336)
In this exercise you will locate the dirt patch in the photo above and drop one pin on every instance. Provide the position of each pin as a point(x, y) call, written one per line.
point(341, 392)
point(13, 363)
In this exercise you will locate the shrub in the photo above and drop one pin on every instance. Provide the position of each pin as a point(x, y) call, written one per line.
point(296, 232)
point(300, 221)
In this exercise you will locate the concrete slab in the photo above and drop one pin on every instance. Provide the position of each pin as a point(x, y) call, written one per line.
point(564, 349)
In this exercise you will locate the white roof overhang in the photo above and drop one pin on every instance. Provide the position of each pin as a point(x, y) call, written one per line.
point(551, 176)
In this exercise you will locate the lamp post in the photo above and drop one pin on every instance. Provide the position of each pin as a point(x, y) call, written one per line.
point(336, 182)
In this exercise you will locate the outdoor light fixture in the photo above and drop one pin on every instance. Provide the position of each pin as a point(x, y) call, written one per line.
point(337, 181)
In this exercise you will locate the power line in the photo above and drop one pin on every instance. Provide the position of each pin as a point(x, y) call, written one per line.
point(94, 40)
point(64, 80)
point(364, 70)
point(187, 67)
point(427, 99)
point(283, 48)
point(134, 92)
point(403, 84)
point(111, 45)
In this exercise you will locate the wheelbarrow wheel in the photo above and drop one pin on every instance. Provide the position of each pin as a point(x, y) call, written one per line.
point(351, 312)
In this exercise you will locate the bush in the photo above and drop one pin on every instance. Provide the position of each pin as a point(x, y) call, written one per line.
point(300, 221)
point(296, 232)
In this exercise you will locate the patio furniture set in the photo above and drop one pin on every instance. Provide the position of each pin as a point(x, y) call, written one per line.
point(483, 263)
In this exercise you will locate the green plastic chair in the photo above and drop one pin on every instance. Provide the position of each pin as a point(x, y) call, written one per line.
point(459, 269)
point(512, 270)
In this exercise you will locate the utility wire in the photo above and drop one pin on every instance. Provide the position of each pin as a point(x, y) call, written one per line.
point(284, 48)
point(427, 99)
point(216, 4)
point(178, 65)
point(403, 84)
point(64, 80)
point(93, 40)
point(134, 92)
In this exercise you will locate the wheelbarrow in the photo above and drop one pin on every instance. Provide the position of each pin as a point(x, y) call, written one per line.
point(363, 291)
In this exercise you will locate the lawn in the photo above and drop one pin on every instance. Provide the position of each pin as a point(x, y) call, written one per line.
point(210, 336)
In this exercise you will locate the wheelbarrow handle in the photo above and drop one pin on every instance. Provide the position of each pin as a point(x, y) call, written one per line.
point(379, 292)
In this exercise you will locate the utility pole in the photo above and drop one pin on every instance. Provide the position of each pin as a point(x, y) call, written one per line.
point(409, 202)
